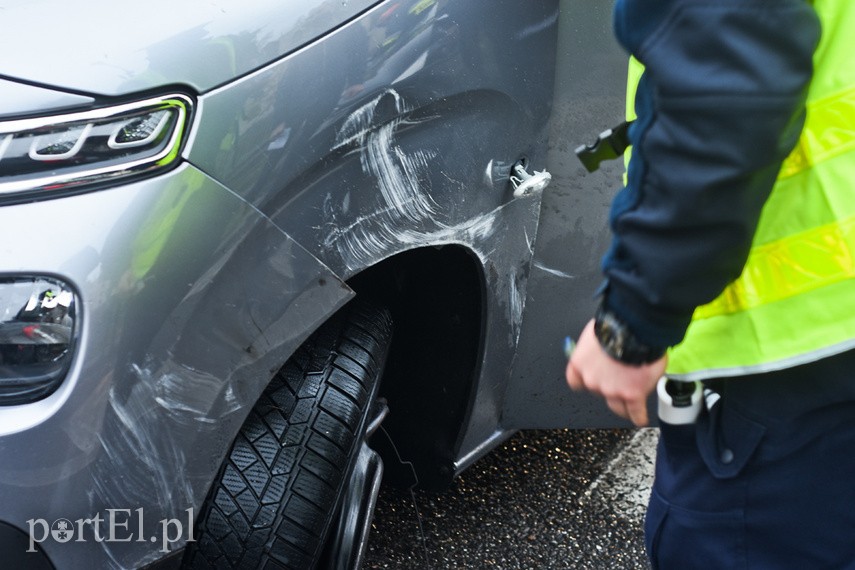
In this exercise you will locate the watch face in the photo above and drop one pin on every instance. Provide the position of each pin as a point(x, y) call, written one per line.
point(611, 334)
point(618, 341)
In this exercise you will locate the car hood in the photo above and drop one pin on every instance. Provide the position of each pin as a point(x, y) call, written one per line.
point(105, 47)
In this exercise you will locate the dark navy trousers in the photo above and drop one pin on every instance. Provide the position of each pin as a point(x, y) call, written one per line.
point(764, 479)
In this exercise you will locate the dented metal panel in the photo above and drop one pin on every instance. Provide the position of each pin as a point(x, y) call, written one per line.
point(356, 148)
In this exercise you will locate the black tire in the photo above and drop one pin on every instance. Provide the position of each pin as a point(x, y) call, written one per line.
point(275, 498)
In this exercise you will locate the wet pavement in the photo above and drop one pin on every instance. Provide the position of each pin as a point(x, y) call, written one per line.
point(545, 499)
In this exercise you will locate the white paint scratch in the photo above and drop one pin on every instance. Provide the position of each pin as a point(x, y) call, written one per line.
point(143, 461)
point(407, 214)
point(538, 27)
point(397, 172)
point(516, 304)
point(552, 271)
point(189, 395)
point(474, 229)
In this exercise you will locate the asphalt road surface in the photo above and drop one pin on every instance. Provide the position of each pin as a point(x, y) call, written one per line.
point(545, 499)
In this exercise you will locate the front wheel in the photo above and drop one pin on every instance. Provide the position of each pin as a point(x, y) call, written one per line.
point(301, 456)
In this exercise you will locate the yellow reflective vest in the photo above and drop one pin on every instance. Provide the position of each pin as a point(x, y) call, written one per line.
point(794, 302)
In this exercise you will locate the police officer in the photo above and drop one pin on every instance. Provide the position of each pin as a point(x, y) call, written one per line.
point(733, 262)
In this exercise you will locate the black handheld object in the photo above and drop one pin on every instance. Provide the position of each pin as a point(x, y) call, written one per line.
point(609, 145)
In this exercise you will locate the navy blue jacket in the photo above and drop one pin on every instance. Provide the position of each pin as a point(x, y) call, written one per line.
point(720, 105)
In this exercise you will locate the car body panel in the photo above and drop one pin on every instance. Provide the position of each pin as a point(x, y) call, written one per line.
point(19, 99)
point(121, 48)
point(264, 135)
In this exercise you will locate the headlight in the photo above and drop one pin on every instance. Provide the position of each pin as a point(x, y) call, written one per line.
point(59, 152)
point(37, 333)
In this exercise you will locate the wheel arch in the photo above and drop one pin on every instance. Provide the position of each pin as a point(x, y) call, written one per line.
point(437, 299)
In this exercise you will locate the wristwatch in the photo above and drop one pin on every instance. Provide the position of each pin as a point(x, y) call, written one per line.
point(620, 343)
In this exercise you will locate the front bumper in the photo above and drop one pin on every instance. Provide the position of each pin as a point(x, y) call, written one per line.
point(189, 301)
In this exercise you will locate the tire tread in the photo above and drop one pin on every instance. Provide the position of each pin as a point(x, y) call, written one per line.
point(276, 493)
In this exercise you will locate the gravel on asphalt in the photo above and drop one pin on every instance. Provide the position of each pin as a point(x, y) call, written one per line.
point(528, 504)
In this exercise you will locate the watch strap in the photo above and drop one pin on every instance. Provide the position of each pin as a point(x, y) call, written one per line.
point(619, 342)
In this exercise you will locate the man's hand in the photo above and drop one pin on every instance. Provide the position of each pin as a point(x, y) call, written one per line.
point(624, 387)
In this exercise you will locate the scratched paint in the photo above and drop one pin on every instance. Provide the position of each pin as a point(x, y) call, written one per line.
point(407, 217)
point(397, 172)
point(406, 214)
point(516, 304)
point(143, 461)
point(552, 271)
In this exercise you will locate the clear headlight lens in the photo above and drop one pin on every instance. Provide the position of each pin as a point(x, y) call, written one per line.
point(66, 151)
point(37, 331)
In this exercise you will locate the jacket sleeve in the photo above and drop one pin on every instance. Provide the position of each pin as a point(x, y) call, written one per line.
point(719, 106)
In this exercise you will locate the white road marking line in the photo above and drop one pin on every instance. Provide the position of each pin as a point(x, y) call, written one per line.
point(624, 485)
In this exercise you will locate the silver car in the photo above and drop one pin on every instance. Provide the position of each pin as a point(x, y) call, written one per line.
point(253, 252)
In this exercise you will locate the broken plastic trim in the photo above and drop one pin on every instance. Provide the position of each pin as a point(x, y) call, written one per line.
point(524, 183)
